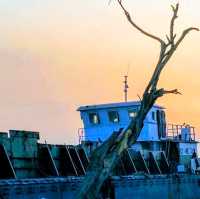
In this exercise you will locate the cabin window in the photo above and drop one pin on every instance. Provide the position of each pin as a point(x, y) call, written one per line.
point(113, 116)
point(153, 116)
point(132, 113)
point(94, 118)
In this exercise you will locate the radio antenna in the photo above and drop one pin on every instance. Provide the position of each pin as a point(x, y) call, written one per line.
point(126, 84)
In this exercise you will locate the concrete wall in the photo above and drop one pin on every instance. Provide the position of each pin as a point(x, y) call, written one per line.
point(21, 156)
point(24, 152)
point(137, 187)
point(46, 188)
point(174, 187)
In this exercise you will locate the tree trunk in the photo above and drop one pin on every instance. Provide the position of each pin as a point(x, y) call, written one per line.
point(106, 156)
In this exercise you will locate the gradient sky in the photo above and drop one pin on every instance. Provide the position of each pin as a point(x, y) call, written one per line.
point(58, 55)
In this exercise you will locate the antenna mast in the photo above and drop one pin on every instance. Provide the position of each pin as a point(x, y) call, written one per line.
point(126, 87)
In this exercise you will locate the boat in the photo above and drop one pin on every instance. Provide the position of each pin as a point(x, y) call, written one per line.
point(162, 163)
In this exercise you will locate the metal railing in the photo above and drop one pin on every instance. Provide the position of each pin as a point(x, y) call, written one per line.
point(176, 132)
point(182, 132)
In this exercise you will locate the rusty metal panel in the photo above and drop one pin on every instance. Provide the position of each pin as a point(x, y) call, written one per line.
point(77, 160)
point(47, 166)
point(6, 168)
point(68, 167)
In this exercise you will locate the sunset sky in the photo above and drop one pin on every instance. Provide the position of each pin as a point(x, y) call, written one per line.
point(58, 55)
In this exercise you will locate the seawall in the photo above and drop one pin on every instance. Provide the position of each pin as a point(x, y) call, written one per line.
point(126, 187)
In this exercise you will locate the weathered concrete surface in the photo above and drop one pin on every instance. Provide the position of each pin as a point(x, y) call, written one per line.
point(128, 187)
point(40, 188)
point(158, 187)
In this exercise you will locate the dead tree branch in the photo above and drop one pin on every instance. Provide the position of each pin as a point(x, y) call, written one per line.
point(128, 16)
point(106, 156)
point(172, 36)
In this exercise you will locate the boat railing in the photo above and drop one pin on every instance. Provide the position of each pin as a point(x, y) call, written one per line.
point(175, 132)
point(182, 132)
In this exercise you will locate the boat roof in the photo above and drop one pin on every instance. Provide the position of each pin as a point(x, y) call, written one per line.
point(113, 105)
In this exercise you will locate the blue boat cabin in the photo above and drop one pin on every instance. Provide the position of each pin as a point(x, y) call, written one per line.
point(101, 120)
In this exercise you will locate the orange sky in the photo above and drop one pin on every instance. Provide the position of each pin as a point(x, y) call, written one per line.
point(58, 55)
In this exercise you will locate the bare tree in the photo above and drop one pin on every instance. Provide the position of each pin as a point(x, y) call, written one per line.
point(106, 156)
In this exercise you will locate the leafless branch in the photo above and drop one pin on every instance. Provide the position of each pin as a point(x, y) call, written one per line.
point(128, 16)
point(175, 11)
point(162, 91)
point(184, 33)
